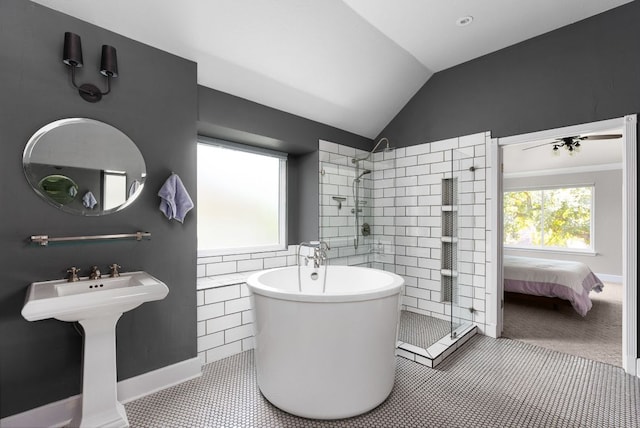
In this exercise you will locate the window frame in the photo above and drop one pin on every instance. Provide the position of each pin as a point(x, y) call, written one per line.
point(548, 249)
point(282, 198)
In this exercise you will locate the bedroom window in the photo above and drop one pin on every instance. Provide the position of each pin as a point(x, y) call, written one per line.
point(551, 218)
point(241, 198)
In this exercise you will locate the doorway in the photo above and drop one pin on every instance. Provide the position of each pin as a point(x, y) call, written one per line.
point(495, 289)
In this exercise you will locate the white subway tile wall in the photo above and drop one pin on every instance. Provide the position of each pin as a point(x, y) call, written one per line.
point(401, 202)
point(224, 315)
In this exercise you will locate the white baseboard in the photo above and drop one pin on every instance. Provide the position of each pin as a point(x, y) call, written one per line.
point(490, 330)
point(157, 380)
point(610, 278)
point(59, 413)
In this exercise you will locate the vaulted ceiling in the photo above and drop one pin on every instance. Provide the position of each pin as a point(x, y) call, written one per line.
point(351, 64)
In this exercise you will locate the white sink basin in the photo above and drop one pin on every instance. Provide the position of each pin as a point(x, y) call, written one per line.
point(96, 305)
point(75, 301)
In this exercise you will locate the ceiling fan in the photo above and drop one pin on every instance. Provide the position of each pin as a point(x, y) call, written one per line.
point(572, 144)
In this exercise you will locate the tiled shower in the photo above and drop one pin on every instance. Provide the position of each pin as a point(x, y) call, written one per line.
point(426, 207)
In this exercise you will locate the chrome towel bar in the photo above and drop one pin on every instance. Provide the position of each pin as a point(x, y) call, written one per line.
point(43, 240)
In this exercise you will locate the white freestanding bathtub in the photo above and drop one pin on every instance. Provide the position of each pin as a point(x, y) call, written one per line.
point(325, 355)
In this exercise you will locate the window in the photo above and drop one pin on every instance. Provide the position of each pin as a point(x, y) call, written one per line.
point(114, 189)
point(555, 218)
point(241, 198)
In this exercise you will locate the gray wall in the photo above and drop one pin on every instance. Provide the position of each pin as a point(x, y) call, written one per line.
point(157, 103)
point(221, 115)
point(585, 72)
point(581, 73)
point(228, 117)
point(154, 102)
point(607, 216)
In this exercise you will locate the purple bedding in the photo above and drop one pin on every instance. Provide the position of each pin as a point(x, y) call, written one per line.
point(570, 281)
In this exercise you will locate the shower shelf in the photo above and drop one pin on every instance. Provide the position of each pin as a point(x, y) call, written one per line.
point(44, 240)
point(449, 272)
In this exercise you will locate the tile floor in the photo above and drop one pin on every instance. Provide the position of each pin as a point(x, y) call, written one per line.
point(421, 330)
point(486, 383)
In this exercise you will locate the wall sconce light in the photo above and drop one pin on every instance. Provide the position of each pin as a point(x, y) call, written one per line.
point(72, 56)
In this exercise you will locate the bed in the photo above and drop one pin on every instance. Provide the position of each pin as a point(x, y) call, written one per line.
point(571, 281)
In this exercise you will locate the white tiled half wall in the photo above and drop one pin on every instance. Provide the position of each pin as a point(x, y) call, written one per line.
point(224, 315)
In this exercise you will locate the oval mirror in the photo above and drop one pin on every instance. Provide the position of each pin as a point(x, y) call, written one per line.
point(84, 166)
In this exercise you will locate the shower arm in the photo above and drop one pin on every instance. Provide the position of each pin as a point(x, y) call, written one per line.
point(355, 160)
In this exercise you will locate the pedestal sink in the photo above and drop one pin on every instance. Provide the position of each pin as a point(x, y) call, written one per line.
point(97, 305)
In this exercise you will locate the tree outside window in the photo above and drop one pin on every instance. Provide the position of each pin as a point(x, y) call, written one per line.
point(549, 218)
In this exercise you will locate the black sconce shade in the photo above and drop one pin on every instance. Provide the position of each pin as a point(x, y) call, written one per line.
point(72, 54)
point(109, 62)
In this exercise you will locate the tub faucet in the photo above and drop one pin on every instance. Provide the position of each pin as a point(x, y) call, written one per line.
point(319, 256)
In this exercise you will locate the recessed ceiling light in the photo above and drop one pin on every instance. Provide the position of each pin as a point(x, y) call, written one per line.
point(465, 20)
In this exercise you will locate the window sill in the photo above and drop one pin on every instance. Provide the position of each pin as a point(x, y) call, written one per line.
point(588, 253)
point(223, 280)
point(241, 251)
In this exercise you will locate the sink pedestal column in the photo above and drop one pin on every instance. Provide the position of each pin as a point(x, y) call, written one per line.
point(100, 406)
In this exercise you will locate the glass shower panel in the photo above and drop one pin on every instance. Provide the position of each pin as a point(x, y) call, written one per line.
point(357, 205)
point(458, 239)
point(346, 210)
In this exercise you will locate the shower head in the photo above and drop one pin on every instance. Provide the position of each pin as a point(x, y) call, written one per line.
point(365, 172)
point(386, 149)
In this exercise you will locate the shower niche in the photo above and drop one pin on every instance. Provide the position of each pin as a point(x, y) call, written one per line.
point(449, 240)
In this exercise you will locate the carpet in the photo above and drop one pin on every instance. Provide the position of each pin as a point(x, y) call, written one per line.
point(597, 336)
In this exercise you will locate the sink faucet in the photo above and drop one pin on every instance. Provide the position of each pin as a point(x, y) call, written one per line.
point(95, 273)
point(319, 256)
point(114, 270)
point(73, 274)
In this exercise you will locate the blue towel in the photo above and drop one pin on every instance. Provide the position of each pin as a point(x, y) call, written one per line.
point(89, 201)
point(175, 200)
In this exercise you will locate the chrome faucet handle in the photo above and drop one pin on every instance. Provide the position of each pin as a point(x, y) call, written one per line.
point(114, 270)
point(317, 244)
point(95, 273)
point(73, 274)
